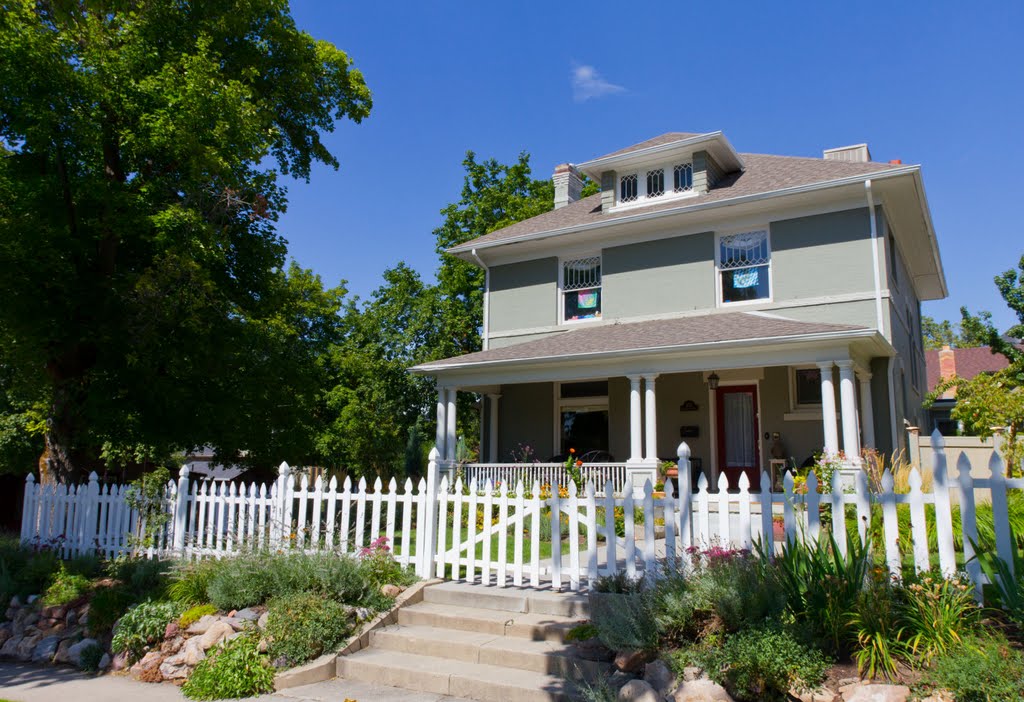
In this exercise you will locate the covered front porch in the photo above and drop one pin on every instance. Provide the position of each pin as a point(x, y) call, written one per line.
point(768, 403)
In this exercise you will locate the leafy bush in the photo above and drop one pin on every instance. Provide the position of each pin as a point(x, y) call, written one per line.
point(90, 657)
point(380, 566)
point(874, 625)
point(935, 614)
point(302, 627)
point(194, 614)
point(735, 587)
point(106, 607)
point(618, 582)
point(822, 586)
point(581, 632)
point(190, 582)
point(141, 578)
point(65, 587)
point(253, 579)
point(988, 670)
point(625, 622)
point(764, 664)
point(141, 626)
point(233, 670)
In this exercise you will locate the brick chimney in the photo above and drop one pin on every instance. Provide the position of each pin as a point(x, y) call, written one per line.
point(568, 184)
point(947, 369)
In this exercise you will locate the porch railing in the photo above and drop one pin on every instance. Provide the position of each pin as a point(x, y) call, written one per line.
point(553, 474)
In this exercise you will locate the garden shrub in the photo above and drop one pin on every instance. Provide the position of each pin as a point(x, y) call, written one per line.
point(983, 670)
point(735, 587)
point(142, 578)
point(625, 622)
point(142, 626)
point(65, 587)
point(194, 614)
point(106, 607)
point(231, 671)
point(619, 582)
point(380, 566)
point(764, 664)
point(304, 626)
point(874, 625)
point(581, 632)
point(242, 582)
point(936, 613)
point(190, 582)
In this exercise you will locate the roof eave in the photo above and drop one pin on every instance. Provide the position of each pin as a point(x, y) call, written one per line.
point(595, 167)
point(464, 250)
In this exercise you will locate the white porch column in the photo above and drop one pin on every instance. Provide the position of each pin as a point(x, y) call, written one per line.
point(451, 435)
point(492, 447)
point(867, 411)
point(442, 422)
point(650, 420)
point(848, 407)
point(635, 438)
point(828, 409)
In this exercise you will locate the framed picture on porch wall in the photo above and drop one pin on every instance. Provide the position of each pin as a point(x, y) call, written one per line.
point(689, 431)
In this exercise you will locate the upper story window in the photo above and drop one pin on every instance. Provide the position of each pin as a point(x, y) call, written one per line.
point(628, 188)
point(635, 188)
point(744, 266)
point(682, 178)
point(581, 289)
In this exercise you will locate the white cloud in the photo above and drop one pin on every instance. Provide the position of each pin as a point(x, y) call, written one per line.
point(587, 83)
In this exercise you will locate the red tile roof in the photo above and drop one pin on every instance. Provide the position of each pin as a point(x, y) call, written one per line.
point(968, 363)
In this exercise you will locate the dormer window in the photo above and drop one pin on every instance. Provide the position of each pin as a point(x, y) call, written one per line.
point(682, 178)
point(581, 289)
point(656, 183)
point(628, 188)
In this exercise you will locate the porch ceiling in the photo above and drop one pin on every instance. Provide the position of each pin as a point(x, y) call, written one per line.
point(721, 340)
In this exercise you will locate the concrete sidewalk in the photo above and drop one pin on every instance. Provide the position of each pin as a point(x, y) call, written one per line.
point(28, 683)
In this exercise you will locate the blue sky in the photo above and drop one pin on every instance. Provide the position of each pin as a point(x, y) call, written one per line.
point(937, 84)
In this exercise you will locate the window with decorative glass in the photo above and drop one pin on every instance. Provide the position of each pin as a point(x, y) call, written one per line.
point(581, 289)
point(656, 183)
point(743, 266)
point(682, 178)
point(628, 188)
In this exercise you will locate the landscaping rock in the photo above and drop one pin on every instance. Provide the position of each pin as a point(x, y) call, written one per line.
point(171, 630)
point(75, 651)
point(32, 599)
point(10, 647)
point(27, 645)
point(262, 621)
point(217, 632)
point(148, 669)
point(201, 626)
point(104, 661)
point(701, 691)
point(15, 602)
point(192, 652)
point(391, 590)
point(659, 677)
point(874, 692)
point(71, 619)
point(119, 662)
point(45, 650)
point(630, 661)
point(170, 671)
point(234, 622)
point(822, 694)
point(692, 672)
point(638, 691)
point(62, 655)
point(247, 615)
point(5, 633)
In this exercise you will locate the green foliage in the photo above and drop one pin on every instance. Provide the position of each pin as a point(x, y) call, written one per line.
point(146, 495)
point(582, 632)
point(378, 563)
point(935, 614)
point(139, 190)
point(193, 614)
point(89, 658)
point(304, 626)
point(190, 581)
point(822, 586)
point(625, 621)
point(971, 332)
point(873, 622)
point(65, 587)
point(618, 582)
point(1006, 585)
point(734, 587)
point(141, 578)
point(231, 671)
point(599, 692)
point(106, 607)
point(985, 669)
point(764, 664)
point(253, 579)
point(142, 626)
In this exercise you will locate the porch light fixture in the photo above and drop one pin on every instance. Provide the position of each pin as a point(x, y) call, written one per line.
point(713, 380)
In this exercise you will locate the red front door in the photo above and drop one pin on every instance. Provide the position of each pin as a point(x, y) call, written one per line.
point(738, 445)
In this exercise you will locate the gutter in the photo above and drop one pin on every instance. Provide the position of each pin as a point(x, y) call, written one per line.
point(651, 350)
point(874, 256)
point(487, 296)
point(755, 197)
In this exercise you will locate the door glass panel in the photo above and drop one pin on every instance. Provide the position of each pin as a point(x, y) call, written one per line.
point(584, 429)
point(738, 413)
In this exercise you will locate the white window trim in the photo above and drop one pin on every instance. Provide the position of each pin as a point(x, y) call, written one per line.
point(719, 302)
point(642, 200)
point(561, 288)
point(595, 403)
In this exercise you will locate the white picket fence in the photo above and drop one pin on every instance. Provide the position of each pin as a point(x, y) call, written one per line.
point(544, 473)
point(496, 533)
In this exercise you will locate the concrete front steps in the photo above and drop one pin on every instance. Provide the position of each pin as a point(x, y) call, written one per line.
point(479, 642)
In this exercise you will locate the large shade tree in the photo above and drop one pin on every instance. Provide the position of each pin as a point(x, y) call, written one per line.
point(143, 289)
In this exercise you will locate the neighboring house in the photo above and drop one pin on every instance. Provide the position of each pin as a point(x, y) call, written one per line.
point(946, 363)
point(756, 306)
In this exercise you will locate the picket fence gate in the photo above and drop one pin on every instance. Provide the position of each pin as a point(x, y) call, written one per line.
point(495, 533)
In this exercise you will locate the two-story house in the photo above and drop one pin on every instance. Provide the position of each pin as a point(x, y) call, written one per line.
point(755, 306)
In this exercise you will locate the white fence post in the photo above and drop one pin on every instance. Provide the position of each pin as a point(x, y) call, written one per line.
point(427, 522)
point(90, 522)
point(181, 511)
point(1001, 511)
point(279, 529)
point(685, 491)
point(968, 523)
point(28, 509)
point(943, 508)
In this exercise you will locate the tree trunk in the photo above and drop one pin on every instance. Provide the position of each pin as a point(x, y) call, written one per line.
point(62, 458)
